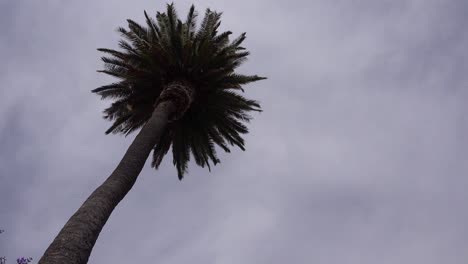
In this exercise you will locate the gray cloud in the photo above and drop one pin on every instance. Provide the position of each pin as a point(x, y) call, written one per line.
point(358, 157)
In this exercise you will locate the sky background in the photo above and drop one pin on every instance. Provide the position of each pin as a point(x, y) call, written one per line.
point(359, 157)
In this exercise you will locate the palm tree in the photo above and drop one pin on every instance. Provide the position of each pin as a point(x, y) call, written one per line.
point(178, 84)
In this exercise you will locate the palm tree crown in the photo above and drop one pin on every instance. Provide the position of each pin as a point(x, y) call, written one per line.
point(167, 51)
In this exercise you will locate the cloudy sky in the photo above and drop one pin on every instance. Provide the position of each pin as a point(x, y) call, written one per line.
point(360, 155)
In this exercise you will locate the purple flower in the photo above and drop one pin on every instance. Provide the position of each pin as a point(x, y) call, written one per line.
point(23, 260)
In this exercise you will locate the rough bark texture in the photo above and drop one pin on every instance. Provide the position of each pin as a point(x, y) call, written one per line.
point(75, 241)
point(182, 94)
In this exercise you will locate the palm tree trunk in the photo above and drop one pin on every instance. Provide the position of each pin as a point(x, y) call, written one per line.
point(75, 241)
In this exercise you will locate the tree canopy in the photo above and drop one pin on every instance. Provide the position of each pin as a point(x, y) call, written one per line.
point(165, 50)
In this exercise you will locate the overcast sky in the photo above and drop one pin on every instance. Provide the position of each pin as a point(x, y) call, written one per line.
point(360, 155)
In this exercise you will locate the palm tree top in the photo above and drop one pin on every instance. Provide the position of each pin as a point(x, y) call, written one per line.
point(167, 50)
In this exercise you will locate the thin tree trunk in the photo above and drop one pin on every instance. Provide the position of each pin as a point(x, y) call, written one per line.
point(75, 241)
